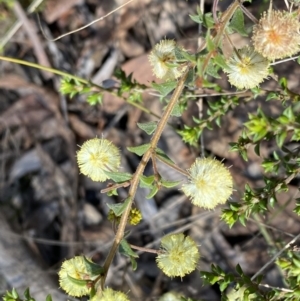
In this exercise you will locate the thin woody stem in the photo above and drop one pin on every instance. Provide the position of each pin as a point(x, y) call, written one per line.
point(140, 169)
point(226, 16)
point(148, 250)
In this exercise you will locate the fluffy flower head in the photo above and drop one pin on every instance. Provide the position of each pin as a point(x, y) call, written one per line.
point(96, 156)
point(109, 294)
point(247, 68)
point(72, 270)
point(179, 255)
point(163, 61)
point(276, 36)
point(210, 183)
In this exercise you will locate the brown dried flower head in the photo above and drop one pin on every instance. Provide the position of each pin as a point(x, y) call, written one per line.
point(276, 36)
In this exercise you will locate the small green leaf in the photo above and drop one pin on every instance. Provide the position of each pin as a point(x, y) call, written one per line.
point(78, 282)
point(239, 270)
point(257, 149)
point(212, 70)
point(133, 263)
point(93, 268)
point(95, 99)
point(152, 193)
point(161, 155)
point(119, 177)
point(280, 138)
point(125, 249)
point(165, 88)
point(119, 208)
point(49, 297)
point(169, 184)
point(148, 127)
point(146, 182)
point(139, 150)
point(27, 294)
point(237, 22)
point(15, 294)
point(220, 61)
point(176, 112)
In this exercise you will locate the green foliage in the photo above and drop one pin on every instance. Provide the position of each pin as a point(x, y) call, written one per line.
point(119, 208)
point(139, 150)
point(165, 88)
point(244, 288)
point(119, 177)
point(93, 268)
point(290, 264)
point(237, 23)
point(148, 127)
point(13, 295)
point(205, 19)
point(126, 250)
point(72, 87)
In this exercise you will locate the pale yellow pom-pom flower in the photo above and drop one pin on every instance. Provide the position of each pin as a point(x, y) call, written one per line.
point(247, 68)
point(179, 255)
point(109, 294)
point(210, 183)
point(163, 61)
point(97, 156)
point(277, 36)
point(76, 269)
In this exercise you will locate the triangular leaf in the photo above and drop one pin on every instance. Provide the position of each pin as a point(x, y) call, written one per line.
point(152, 193)
point(160, 154)
point(118, 209)
point(237, 22)
point(119, 177)
point(148, 127)
point(78, 282)
point(49, 298)
point(93, 268)
point(146, 182)
point(27, 294)
point(139, 150)
point(176, 112)
point(133, 263)
point(165, 88)
point(169, 184)
point(125, 249)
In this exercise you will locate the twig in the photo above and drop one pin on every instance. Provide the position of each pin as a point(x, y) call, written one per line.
point(36, 43)
point(275, 256)
point(85, 26)
point(31, 8)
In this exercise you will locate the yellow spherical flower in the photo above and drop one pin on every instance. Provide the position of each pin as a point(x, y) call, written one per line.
point(109, 294)
point(210, 183)
point(97, 156)
point(163, 61)
point(74, 276)
point(246, 69)
point(276, 36)
point(179, 255)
